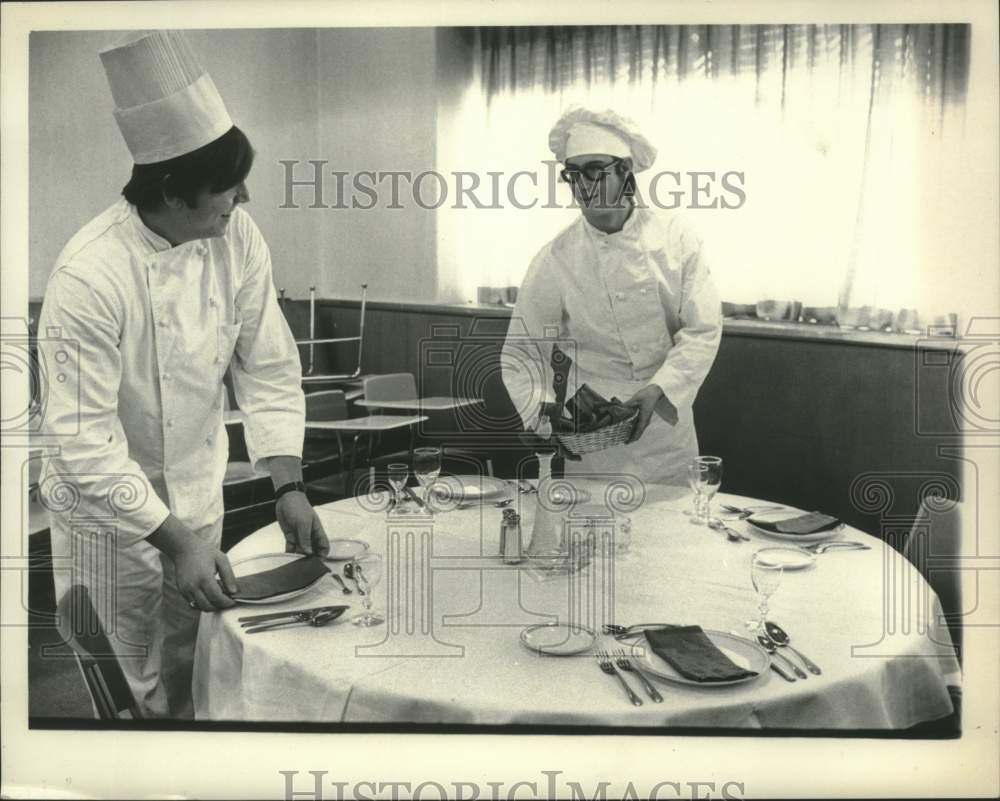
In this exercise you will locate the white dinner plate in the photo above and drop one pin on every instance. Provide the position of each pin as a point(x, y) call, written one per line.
point(788, 558)
point(785, 514)
point(558, 639)
point(268, 561)
point(344, 550)
point(743, 653)
point(471, 488)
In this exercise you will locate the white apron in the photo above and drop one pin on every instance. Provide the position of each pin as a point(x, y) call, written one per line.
point(631, 309)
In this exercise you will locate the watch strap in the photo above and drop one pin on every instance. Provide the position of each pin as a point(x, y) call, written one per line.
point(291, 486)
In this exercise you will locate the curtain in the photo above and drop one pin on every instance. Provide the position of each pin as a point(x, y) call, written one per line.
point(846, 141)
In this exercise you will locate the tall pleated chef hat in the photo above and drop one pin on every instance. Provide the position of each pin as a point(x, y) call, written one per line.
point(582, 131)
point(166, 105)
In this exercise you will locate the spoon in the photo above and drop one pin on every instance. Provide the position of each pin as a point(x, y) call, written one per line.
point(731, 533)
point(316, 619)
point(772, 649)
point(340, 581)
point(782, 640)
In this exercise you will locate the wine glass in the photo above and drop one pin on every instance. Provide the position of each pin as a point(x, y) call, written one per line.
point(427, 467)
point(397, 473)
point(367, 571)
point(705, 477)
point(766, 578)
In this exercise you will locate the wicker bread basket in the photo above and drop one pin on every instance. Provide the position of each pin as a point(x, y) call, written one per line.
point(602, 438)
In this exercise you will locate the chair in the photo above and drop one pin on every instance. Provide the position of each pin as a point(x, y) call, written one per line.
point(103, 675)
point(324, 406)
point(390, 387)
point(934, 547)
point(307, 374)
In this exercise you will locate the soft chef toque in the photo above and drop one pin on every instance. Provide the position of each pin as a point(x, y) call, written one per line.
point(166, 105)
point(581, 131)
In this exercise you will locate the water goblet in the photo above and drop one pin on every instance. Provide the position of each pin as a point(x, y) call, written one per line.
point(367, 571)
point(427, 467)
point(766, 578)
point(705, 475)
point(397, 473)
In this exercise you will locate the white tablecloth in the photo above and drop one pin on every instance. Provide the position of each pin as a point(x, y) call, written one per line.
point(866, 617)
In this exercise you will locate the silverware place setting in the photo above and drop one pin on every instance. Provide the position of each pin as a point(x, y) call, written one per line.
point(818, 548)
point(731, 533)
point(780, 638)
point(607, 665)
point(306, 617)
point(624, 663)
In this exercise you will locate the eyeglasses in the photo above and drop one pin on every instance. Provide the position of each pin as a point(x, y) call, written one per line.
point(592, 171)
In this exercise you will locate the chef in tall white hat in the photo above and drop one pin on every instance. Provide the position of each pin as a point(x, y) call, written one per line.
point(629, 290)
point(161, 293)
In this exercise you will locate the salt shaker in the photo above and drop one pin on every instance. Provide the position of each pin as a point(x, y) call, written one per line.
point(510, 539)
point(504, 524)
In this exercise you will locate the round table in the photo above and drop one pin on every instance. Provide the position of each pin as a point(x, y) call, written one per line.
point(450, 650)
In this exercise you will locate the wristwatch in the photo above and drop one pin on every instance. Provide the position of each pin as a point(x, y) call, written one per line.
point(291, 486)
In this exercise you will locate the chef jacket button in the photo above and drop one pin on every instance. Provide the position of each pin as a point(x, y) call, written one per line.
point(166, 376)
point(217, 359)
point(208, 441)
point(642, 291)
point(170, 423)
point(211, 301)
point(620, 295)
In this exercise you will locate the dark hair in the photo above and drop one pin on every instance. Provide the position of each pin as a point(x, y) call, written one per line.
point(221, 164)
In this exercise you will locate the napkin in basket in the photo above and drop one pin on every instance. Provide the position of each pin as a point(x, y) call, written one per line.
point(689, 651)
point(288, 577)
point(591, 412)
point(809, 523)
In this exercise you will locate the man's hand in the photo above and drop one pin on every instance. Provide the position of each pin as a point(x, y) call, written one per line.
point(645, 401)
point(195, 563)
point(300, 525)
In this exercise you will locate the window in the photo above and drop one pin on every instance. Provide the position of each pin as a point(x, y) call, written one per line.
point(846, 142)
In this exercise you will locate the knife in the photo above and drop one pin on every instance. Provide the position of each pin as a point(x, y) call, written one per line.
point(781, 673)
point(290, 613)
point(414, 498)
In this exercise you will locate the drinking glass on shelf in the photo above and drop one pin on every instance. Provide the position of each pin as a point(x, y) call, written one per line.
point(427, 467)
point(367, 571)
point(397, 473)
point(766, 578)
point(705, 478)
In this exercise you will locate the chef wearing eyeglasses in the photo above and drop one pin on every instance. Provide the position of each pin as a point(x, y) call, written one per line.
point(628, 289)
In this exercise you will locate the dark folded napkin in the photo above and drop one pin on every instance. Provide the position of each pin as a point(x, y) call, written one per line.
point(809, 523)
point(688, 650)
point(288, 577)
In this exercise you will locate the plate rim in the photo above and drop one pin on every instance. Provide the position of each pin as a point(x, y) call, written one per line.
point(274, 599)
point(810, 558)
point(328, 558)
point(535, 626)
point(678, 679)
point(816, 536)
point(501, 486)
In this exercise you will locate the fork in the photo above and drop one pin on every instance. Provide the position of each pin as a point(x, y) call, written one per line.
point(623, 662)
point(605, 664)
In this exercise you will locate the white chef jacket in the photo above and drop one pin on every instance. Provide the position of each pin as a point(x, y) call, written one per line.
point(155, 328)
point(632, 308)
